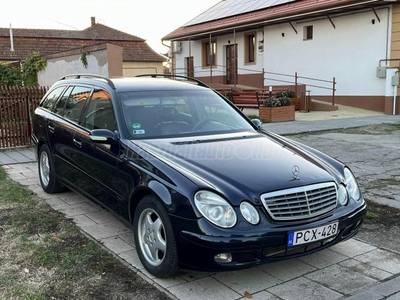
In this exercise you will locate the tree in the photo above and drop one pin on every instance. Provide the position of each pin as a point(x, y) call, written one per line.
point(26, 75)
point(9, 75)
point(30, 68)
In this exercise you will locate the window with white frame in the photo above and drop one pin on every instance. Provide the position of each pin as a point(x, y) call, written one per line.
point(250, 48)
point(209, 53)
point(308, 33)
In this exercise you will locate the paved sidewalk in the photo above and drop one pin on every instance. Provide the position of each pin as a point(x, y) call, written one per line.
point(17, 156)
point(352, 270)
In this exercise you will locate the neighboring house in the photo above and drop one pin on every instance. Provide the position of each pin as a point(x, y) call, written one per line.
point(103, 59)
point(341, 50)
point(137, 56)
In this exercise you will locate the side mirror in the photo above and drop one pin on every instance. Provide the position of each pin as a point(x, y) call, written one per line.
point(103, 136)
point(257, 123)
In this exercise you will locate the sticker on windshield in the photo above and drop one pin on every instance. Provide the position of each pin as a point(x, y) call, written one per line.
point(139, 131)
point(136, 125)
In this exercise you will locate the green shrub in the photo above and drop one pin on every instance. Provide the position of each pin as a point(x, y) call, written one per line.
point(277, 101)
point(24, 75)
point(289, 94)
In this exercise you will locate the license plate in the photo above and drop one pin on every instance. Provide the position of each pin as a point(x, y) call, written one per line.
point(312, 234)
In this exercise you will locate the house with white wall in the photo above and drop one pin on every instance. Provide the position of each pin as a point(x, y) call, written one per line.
point(338, 51)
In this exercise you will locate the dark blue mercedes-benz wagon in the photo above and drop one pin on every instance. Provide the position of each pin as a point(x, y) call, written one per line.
point(203, 187)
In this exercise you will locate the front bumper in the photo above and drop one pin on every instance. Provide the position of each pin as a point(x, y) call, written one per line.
point(197, 251)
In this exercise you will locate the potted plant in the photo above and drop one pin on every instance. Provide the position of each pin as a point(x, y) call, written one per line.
point(293, 97)
point(277, 109)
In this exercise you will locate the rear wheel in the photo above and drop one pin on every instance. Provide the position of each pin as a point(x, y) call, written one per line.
point(47, 172)
point(154, 238)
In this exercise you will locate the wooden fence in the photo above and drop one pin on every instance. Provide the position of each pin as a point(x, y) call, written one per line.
point(17, 105)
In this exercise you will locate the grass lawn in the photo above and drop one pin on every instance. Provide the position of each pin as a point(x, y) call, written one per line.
point(43, 255)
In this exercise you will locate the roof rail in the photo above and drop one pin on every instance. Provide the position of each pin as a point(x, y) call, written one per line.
point(77, 76)
point(199, 82)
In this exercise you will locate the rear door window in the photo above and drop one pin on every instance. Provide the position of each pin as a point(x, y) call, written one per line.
point(71, 104)
point(52, 98)
point(76, 102)
point(60, 105)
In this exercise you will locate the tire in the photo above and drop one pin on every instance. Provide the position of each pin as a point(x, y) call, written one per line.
point(154, 238)
point(47, 172)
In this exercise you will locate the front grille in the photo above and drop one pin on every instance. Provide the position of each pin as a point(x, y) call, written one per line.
point(301, 202)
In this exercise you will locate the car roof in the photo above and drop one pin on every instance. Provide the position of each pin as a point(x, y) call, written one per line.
point(153, 84)
point(140, 83)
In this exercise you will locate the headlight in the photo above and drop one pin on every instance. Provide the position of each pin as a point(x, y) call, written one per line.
point(342, 195)
point(249, 213)
point(215, 209)
point(351, 185)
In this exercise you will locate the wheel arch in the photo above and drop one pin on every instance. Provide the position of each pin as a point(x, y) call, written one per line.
point(154, 188)
point(38, 146)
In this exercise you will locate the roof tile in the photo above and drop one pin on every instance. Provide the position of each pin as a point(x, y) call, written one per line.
point(50, 41)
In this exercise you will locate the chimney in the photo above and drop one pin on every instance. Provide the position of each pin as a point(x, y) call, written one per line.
point(93, 20)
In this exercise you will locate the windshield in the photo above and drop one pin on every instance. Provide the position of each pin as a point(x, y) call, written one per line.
point(157, 114)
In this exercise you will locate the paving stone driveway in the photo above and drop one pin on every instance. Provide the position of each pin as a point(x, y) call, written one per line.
point(353, 269)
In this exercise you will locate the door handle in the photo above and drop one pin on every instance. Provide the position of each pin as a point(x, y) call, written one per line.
point(51, 128)
point(77, 143)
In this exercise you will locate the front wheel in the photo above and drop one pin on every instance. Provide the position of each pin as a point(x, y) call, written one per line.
point(47, 172)
point(154, 238)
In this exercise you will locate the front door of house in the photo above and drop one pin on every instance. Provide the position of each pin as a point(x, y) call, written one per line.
point(189, 65)
point(231, 64)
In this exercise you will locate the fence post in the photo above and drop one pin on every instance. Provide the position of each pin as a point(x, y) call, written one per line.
point(295, 83)
point(333, 90)
point(263, 78)
point(28, 115)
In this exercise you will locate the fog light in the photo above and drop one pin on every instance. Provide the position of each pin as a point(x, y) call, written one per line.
point(223, 258)
point(249, 213)
point(342, 195)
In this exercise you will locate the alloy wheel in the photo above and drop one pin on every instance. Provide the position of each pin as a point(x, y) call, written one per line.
point(152, 238)
point(44, 166)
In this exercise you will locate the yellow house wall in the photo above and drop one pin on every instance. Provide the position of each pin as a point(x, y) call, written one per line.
point(136, 68)
point(395, 42)
point(394, 54)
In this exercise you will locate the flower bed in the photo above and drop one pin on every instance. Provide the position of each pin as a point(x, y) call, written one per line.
point(277, 114)
point(277, 109)
point(292, 96)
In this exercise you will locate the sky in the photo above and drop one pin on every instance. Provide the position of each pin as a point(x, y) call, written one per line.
point(148, 19)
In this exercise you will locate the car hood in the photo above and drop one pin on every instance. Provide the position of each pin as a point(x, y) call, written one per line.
point(241, 165)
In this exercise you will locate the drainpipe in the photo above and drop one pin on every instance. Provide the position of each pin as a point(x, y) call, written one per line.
point(190, 48)
point(395, 87)
point(168, 46)
point(172, 58)
point(211, 58)
point(235, 58)
point(190, 59)
point(11, 39)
